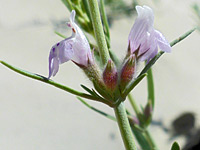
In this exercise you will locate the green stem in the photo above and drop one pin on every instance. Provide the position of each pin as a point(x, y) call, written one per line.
point(134, 105)
point(150, 87)
point(124, 126)
point(98, 29)
point(137, 111)
point(104, 18)
point(150, 140)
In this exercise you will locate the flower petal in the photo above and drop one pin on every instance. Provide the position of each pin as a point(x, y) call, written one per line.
point(66, 50)
point(81, 48)
point(74, 48)
point(60, 53)
point(143, 38)
point(53, 66)
point(162, 42)
point(140, 32)
point(72, 16)
point(149, 55)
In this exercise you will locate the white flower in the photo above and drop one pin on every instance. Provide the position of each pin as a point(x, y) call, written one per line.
point(75, 48)
point(143, 38)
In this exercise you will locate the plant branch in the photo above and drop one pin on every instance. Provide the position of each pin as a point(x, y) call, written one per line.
point(124, 126)
point(150, 87)
point(55, 84)
point(98, 29)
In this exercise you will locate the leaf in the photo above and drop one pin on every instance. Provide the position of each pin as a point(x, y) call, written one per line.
point(114, 58)
point(95, 93)
point(105, 20)
point(92, 92)
point(175, 146)
point(88, 90)
point(68, 4)
point(97, 110)
point(86, 7)
point(132, 85)
point(150, 87)
point(59, 34)
point(51, 82)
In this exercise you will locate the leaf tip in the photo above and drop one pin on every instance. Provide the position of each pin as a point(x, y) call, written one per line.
point(175, 146)
point(1, 61)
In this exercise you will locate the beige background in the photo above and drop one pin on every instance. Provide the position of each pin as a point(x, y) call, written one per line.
point(36, 116)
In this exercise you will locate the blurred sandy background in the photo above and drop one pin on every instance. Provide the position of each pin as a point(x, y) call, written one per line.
point(36, 116)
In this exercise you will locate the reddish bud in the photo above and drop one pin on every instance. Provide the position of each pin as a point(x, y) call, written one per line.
point(134, 120)
point(110, 76)
point(128, 71)
point(148, 110)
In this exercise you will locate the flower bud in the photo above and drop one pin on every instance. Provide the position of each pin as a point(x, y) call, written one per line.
point(148, 111)
point(128, 71)
point(110, 76)
point(134, 120)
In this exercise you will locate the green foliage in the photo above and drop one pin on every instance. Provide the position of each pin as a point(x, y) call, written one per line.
point(119, 8)
point(175, 146)
point(150, 87)
point(196, 9)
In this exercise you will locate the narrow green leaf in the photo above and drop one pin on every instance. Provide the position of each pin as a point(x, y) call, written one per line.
point(59, 34)
point(174, 42)
point(140, 137)
point(68, 4)
point(96, 94)
point(51, 82)
point(86, 7)
point(97, 110)
point(105, 20)
point(114, 58)
point(150, 87)
point(151, 63)
point(132, 85)
point(87, 89)
point(175, 146)
point(92, 92)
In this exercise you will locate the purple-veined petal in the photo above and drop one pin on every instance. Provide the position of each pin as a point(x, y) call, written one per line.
point(81, 46)
point(65, 50)
point(143, 38)
point(162, 42)
point(60, 53)
point(140, 32)
point(75, 48)
point(149, 55)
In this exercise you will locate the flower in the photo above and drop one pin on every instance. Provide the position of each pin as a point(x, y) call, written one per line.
point(143, 38)
point(75, 48)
